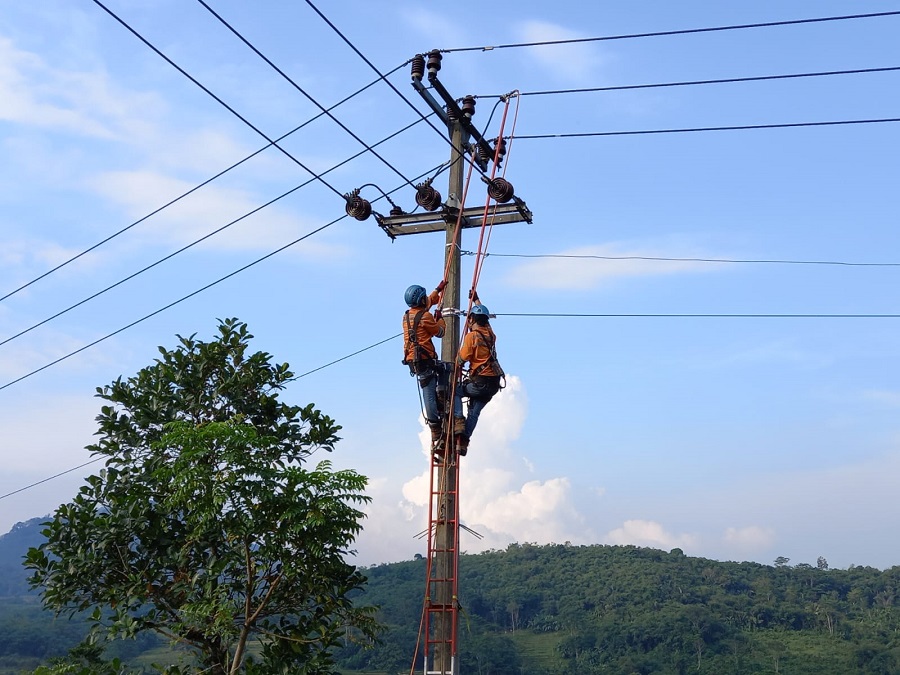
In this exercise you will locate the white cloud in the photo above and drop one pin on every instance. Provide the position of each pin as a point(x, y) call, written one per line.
point(574, 61)
point(35, 94)
point(208, 209)
point(753, 539)
point(499, 497)
point(649, 533)
point(602, 264)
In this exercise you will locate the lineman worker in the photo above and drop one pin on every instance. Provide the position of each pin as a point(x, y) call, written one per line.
point(419, 326)
point(485, 374)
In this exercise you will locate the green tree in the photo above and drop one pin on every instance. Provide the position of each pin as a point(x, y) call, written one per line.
point(205, 526)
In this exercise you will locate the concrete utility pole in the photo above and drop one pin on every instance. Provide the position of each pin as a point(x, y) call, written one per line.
point(441, 602)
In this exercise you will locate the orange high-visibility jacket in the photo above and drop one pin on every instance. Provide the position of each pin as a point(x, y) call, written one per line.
point(479, 349)
point(428, 328)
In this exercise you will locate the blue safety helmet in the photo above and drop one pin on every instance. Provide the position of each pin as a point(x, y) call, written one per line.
point(479, 310)
point(414, 295)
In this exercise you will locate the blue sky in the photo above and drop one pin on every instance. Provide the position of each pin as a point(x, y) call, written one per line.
point(733, 438)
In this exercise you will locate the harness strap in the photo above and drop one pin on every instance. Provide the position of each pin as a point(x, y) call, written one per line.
point(489, 341)
point(412, 337)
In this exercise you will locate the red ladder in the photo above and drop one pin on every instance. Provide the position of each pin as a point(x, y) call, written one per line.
point(441, 622)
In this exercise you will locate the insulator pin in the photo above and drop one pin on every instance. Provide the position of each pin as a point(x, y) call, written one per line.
point(468, 106)
point(418, 67)
point(434, 62)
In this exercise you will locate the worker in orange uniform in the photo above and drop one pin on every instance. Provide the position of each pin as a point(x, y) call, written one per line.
point(419, 327)
point(485, 374)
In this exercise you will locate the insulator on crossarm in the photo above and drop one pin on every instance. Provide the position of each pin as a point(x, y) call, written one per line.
point(418, 67)
point(357, 207)
point(483, 155)
point(434, 62)
point(501, 190)
point(500, 148)
point(427, 197)
point(396, 211)
point(451, 113)
point(468, 106)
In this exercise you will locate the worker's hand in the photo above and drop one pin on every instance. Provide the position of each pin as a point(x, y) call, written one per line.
point(473, 295)
point(441, 286)
point(437, 315)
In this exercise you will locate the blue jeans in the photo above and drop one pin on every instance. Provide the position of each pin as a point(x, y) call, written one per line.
point(478, 398)
point(429, 382)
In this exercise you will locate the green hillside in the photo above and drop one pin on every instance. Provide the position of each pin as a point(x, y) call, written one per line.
point(561, 609)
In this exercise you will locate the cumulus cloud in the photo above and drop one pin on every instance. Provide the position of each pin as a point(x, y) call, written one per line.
point(500, 498)
point(649, 533)
point(588, 267)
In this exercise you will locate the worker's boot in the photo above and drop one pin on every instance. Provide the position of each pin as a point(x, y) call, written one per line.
point(437, 438)
point(459, 425)
point(462, 445)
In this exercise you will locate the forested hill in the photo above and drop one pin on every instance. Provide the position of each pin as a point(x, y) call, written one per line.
point(13, 545)
point(622, 609)
point(585, 610)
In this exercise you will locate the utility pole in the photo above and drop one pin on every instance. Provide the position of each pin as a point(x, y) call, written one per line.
point(441, 603)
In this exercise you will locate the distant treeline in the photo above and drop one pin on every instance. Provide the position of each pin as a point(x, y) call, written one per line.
point(562, 609)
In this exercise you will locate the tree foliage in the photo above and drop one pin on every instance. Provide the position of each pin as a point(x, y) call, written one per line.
point(206, 526)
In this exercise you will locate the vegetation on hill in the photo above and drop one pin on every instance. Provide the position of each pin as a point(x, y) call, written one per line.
point(562, 609)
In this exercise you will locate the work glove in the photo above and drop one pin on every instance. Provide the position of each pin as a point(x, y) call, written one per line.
point(441, 286)
point(437, 315)
point(473, 295)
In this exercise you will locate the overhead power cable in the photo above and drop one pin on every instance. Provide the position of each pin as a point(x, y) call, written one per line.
point(217, 98)
point(686, 31)
point(741, 127)
point(49, 478)
point(191, 191)
point(301, 90)
point(197, 241)
point(701, 316)
point(180, 300)
point(704, 260)
point(441, 133)
point(691, 83)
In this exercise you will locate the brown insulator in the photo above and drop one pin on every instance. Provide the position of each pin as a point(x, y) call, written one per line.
point(468, 106)
point(357, 207)
point(501, 190)
point(396, 211)
point(434, 61)
point(427, 197)
point(483, 154)
point(418, 67)
point(501, 152)
point(451, 113)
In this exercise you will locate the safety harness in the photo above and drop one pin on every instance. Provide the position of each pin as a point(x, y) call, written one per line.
point(422, 358)
point(489, 342)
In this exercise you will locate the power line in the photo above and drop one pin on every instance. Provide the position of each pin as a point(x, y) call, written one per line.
point(217, 99)
point(192, 190)
point(687, 31)
point(743, 127)
point(704, 316)
point(301, 90)
point(49, 478)
point(704, 260)
point(356, 50)
point(197, 241)
point(726, 80)
point(180, 300)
